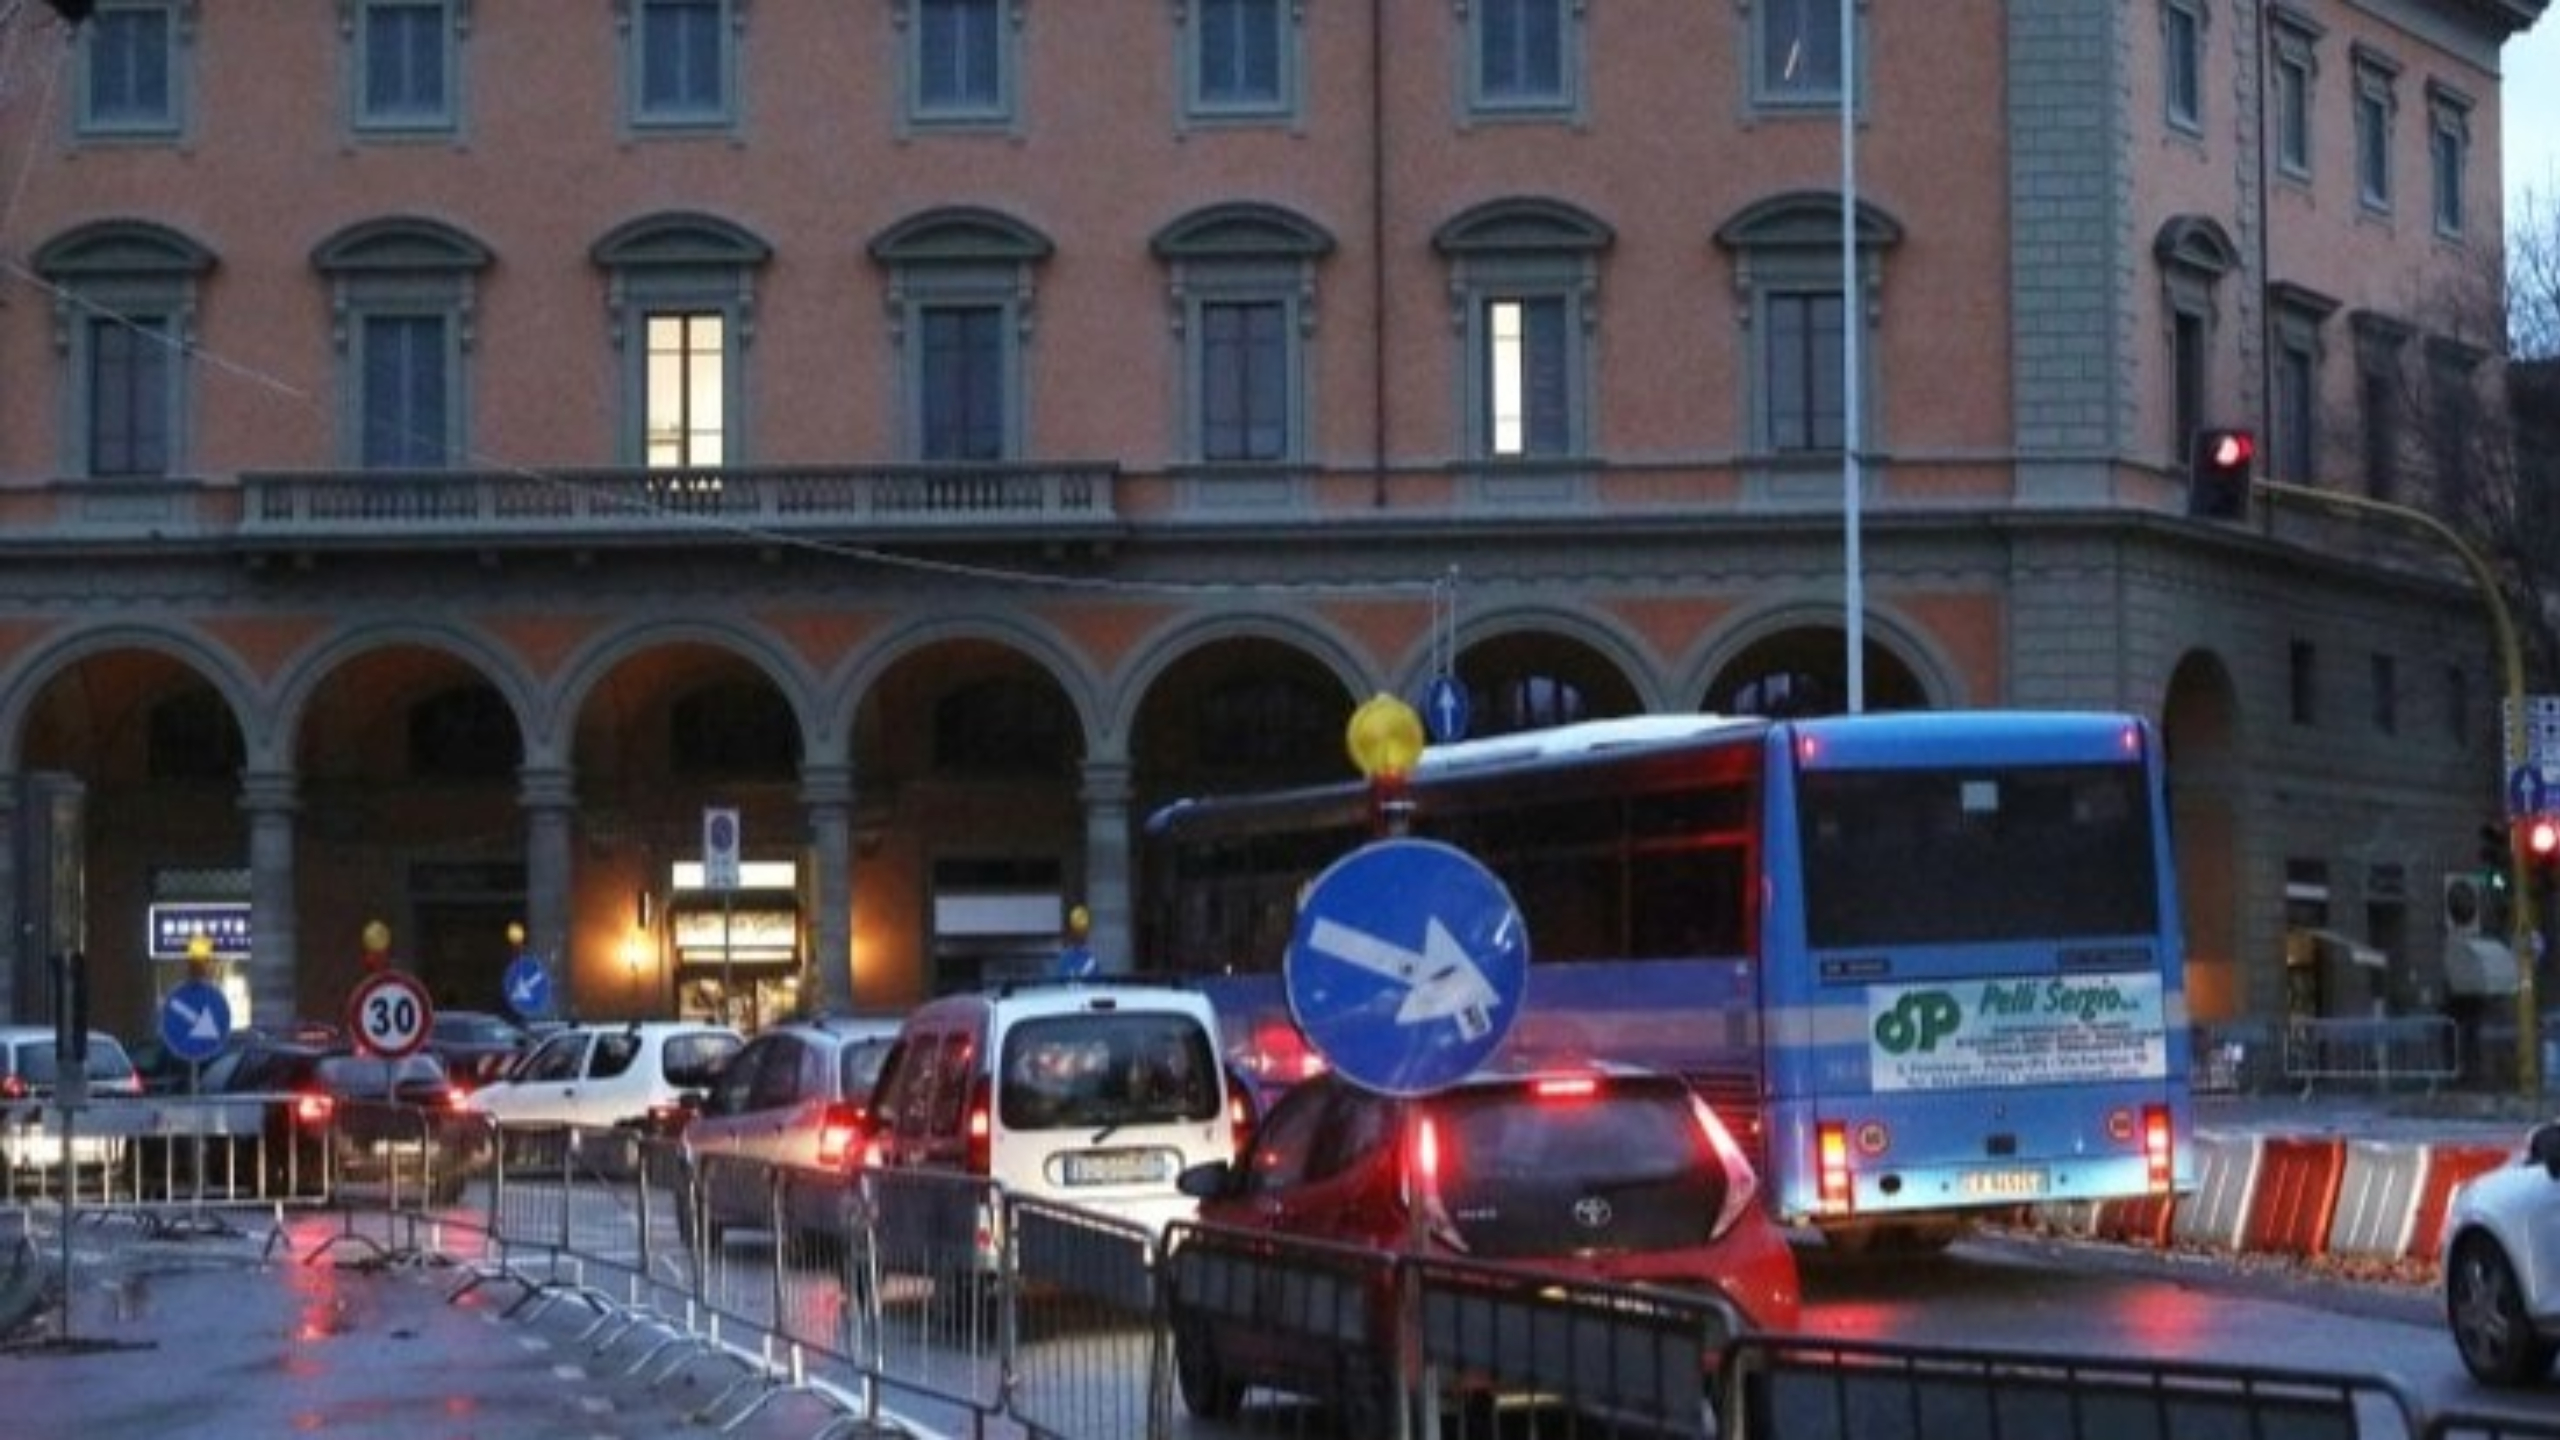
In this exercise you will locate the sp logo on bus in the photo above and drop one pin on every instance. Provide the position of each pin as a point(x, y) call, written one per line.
point(1918, 1021)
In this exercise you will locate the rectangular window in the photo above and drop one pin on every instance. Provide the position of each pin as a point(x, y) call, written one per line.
point(2297, 407)
point(405, 399)
point(2448, 153)
point(1978, 855)
point(1806, 384)
point(682, 70)
point(404, 79)
point(2302, 676)
point(1526, 385)
point(1240, 47)
point(688, 368)
point(130, 70)
point(1520, 52)
point(1799, 50)
point(959, 57)
point(2386, 694)
point(962, 404)
point(2381, 434)
point(1244, 381)
point(2182, 64)
point(129, 396)
point(2187, 360)
point(2293, 116)
point(2373, 109)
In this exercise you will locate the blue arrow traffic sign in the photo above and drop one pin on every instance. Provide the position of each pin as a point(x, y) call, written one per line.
point(528, 987)
point(1444, 710)
point(194, 1021)
point(1407, 966)
point(2527, 792)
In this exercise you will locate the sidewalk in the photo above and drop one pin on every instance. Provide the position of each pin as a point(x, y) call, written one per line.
point(222, 1336)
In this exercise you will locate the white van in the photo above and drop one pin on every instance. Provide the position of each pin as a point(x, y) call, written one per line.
point(1097, 1095)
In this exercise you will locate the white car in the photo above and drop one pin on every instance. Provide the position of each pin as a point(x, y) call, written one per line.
point(601, 1076)
point(28, 1071)
point(2502, 1266)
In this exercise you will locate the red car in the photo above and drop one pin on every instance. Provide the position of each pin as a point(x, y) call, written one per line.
point(1604, 1172)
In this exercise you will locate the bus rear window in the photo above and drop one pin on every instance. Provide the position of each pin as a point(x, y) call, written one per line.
point(1970, 856)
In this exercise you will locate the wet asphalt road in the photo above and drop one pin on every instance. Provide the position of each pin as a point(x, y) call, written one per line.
point(221, 1336)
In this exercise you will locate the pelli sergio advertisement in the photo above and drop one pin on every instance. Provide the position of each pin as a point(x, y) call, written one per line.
point(2027, 1030)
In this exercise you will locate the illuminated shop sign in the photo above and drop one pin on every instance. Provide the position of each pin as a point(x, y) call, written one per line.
point(226, 922)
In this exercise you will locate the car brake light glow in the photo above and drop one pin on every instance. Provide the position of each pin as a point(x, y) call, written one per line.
point(1831, 1166)
point(1741, 1182)
point(981, 1131)
point(1426, 1154)
point(1239, 1121)
point(310, 1108)
point(839, 1131)
point(1575, 1087)
point(2159, 1148)
point(13, 1087)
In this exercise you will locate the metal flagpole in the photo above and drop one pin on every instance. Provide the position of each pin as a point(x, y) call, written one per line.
point(1853, 599)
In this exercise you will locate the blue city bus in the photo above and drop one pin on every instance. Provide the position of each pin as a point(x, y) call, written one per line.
point(1928, 963)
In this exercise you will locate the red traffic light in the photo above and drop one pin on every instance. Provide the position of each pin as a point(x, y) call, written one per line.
point(2542, 837)
point(2219, 466)
point(2230, 449)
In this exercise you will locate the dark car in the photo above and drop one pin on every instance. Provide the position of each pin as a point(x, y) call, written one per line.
point(328, 1116)
point(477, 1047)
point(1603, 1172)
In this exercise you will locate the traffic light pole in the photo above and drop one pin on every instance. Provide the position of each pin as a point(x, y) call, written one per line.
point(2522, 913)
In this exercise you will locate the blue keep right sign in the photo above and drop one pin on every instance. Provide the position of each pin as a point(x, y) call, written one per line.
point(1408, 965)
point(194, 1020)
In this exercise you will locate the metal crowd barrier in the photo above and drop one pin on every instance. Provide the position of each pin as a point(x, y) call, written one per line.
point(942, 1304)
point(2382, 1054)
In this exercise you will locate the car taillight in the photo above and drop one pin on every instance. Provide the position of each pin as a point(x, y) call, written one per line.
point(13, 1087)
point(313, 1109)
point(2159, 1148)
point(667, 1119)
point(839, 1133)
point(1831, 1167)
point(1570, 1087)
point(1741, 1182)
point(1427, 1161)
point(981, 1125)
point(1239, 1121)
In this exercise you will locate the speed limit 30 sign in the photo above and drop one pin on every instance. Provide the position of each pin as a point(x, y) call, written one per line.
point(390, 1014)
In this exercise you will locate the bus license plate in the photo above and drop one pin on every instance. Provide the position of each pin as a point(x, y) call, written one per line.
point(2004, 1184)
point(1119, 1167)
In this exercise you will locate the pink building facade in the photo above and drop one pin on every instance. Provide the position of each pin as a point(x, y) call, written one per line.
point(448, 448)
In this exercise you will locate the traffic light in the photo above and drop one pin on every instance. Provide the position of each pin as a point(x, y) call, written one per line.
point(2542, 841)
point(2220, 466)
point(2497, 857)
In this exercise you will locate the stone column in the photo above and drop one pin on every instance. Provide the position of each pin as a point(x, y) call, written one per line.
point(1107, 862)
point(275, 958)
point(826, 792)
point(549, 800)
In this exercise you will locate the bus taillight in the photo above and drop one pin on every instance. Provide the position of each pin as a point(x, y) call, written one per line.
point(2159, 1158)
point(1831, 1166)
